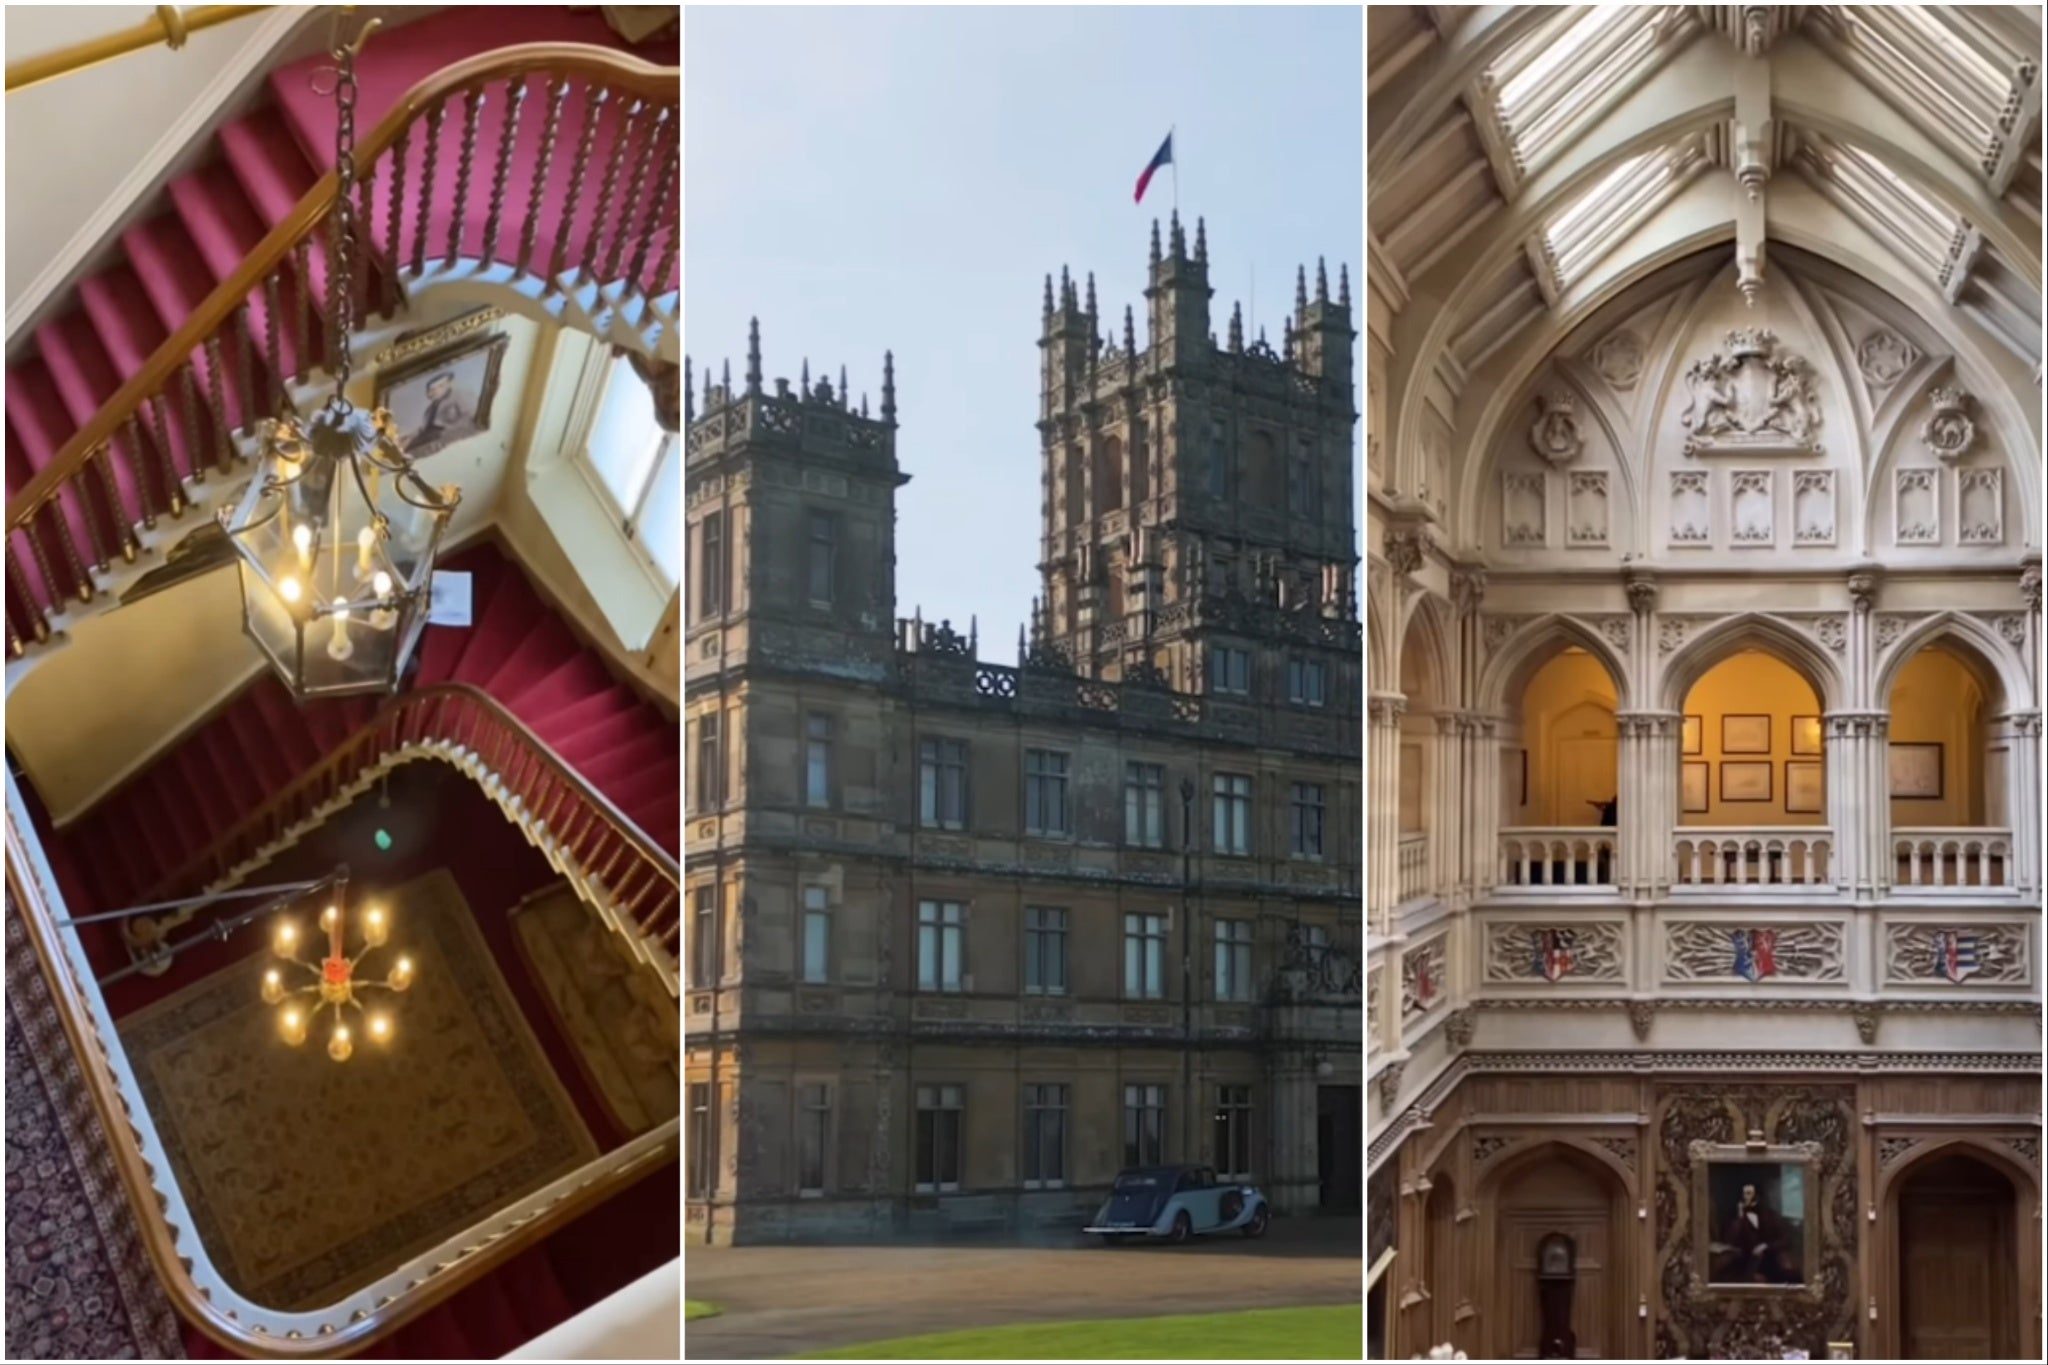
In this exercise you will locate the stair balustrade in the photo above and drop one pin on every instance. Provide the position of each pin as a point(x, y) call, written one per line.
point(1951, 858)
point(1557, 856)
point(632, 883)
point(1414, 865)
point(1776, 856)
point(593, 239)
point(177, 1255)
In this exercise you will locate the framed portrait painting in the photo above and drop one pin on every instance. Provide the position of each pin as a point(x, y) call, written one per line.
point(1745, 734)
point(1756, 1216)
point(446, 396)
point(1745, 781)
point(1916, 771)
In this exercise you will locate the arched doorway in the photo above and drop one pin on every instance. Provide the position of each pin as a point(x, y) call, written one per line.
point(1948, 769)
point(1556, 1189)
point(1956, 1260)
point(1560, 771)
point(1446, 1282)
point(1752, 761)
point(1422, 788)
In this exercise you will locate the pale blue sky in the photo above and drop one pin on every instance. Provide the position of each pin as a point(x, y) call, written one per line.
point(903, 179)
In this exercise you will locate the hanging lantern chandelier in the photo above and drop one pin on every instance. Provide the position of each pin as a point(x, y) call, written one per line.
point(335, 983)
point(337, 533)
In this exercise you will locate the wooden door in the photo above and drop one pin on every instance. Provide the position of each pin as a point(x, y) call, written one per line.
point(1958, 1264)
point(1556, 1196)
point(1585, 748)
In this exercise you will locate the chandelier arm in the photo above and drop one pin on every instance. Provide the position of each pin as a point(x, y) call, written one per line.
point(284, 889)
point(168, 950)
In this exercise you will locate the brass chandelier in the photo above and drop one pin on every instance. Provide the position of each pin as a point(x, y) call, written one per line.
point(337, 533)
point(336, 983)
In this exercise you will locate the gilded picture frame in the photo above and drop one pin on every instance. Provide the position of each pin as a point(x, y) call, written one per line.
point(1806, 737)
point(464, 375)
point(1755, 1208)
point(1692, 788)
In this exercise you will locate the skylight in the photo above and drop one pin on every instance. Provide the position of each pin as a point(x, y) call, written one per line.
point(1950, 69)
point(1597, 221)
point(1544, 86)
point(1877, 197)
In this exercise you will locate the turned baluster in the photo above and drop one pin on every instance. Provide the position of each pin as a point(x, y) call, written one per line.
point(558, 94)
point(658, 210)
point(95, 541)
point(18, 580)
point(249, 403)
point(419, 233)
point(273, 345)
point(593, 246)
point(103, 459)
point(302, 306)
point(217, 404)
point(189, 424)
point(515, 96)
point(51, 583)
point(593, 110)
point(472, 114)
point(650, 141)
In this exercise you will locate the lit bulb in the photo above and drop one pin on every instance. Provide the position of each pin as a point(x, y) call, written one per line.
point(288, 588)
point(302, 537)
point(293, 1026)
point(401, 974)
point(375, 930)
point(273, 987)
point(383, 616)
point(380, 1028)
point(329, 916)
point(287, 939)
point(365, 538)
point(338, 1046)
point(338, 647)
point(381, 584)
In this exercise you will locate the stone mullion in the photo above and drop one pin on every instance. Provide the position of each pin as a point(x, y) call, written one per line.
point(1382, 855)
point(1444, 772)
point(2022, 733)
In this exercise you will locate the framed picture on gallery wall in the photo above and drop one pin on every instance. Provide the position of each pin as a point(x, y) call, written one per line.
point(1803, 786)
point(1693, 736)
point(445, 396)
point(1916, 771)
point(1756, 1218)
point(1746, 781)
point(1745, 734)
point(1692, 788)
point(1806, 735)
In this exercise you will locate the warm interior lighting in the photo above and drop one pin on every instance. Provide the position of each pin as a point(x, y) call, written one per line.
point(335, 981)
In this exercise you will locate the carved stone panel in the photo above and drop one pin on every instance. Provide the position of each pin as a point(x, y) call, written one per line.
point(1423, 984)
point(1750, 507)
point(1916, 507)
point(1813, 507)
point(1586, 508)
point(1949, 431)
point(1884, 358)
point(1691, 508)
point(1522, 952)
point(1983, 955)
point(1703, 953)
point(1753, 397)
point(1556, 436)
point(1980, 507)
point(1522, 502)
point(1618, 359)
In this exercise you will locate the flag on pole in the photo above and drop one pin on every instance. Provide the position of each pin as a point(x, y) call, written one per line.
point(1162, 157)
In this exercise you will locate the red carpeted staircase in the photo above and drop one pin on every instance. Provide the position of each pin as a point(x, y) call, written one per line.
point(518, 650)
point(209, 220)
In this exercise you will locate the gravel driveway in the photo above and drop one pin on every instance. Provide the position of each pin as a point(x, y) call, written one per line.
point(781, 1300)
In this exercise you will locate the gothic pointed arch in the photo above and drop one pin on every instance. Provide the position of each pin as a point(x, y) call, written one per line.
point(1750, 630)
point(1534, 644)
point(1979, 642)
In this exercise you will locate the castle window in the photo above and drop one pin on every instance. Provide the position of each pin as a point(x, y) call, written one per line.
point(702, 1142)
point(1233, 802)
point(1233, 1152)
point(941, 932)
point(1045, 792)
point(1144, 805)
point(1306, 838)
point(818, 761)
point(1230, 670)
point(1268, 482)
point(1219, 463)
point(1307, 682)
point(711, 566)
point(813, 1137)
point(1144, 1125)
point(1233, 959)
point(704, 943)
point(710, 767)
point(1301, 481)
point(824, 551)
point(817, 961)
point(1109, 475)
point(1144, 957)
point(1045, 951)
point(938, 1138)
point(942, 785)
point(1045, 1137)
point(638, 467)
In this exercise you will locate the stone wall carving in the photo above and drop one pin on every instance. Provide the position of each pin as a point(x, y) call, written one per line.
point(1916, 507)
point(1521, 952)
point(1618, 359)
point(1423, 982)
point(1499, 628)
point(1555, 435)
point(1706, 953)
point(1750, 509)
point(1813, 507)
point(1616, 629)
point(1980, 506)
point(1691, 518)
point(1948, 432)
point(1884, 358)
point(1933, 954)
point(1694, 1323)
point(1586, 508)
point(1522, 499)
point(1372, 1009)
point(1754, 398)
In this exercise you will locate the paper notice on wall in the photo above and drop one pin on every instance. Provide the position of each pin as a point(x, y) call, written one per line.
point(450, 603)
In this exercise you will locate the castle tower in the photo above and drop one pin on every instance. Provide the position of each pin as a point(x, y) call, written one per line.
point(1197, 499)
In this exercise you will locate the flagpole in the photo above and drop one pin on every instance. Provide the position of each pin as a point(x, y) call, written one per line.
point(1175, 163)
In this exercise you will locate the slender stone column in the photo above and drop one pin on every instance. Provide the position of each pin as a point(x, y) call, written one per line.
point(1649, 800)
point(1383, 809)
point(2020, 732)
point(1859, 800)
point(1446, 773)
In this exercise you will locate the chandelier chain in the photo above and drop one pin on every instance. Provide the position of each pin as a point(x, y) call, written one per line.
point(343, 302)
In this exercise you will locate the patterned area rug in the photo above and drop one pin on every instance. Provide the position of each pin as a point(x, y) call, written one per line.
point(79, 1286)
point(309, 1178)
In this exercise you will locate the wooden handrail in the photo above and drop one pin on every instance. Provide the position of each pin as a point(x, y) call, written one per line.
point(170, 27)
point(640, 78)
point(364, 748)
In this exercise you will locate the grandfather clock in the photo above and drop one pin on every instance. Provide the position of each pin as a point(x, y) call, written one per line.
point(1556, 1271)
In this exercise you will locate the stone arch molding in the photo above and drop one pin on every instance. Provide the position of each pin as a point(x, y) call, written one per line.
point(1522, 644)
point(2010, 669)
point(1774, 635)
point(1425, 620)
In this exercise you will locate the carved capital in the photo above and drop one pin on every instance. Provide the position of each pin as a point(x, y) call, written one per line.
point(1458, 1027)
point(1863, 590)
point(1468, 590)
point(1404, 551)
point(1642, 590)
point(1390, 1086)
point(2030, 581)
point(1641, 1014)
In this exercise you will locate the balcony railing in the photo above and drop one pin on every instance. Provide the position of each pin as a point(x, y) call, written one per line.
point(1951, 857)
point(1414, 863)
point(1792, 855)
point(1557, 856)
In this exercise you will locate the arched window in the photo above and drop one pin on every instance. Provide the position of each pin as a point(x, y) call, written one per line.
point(1109, 475)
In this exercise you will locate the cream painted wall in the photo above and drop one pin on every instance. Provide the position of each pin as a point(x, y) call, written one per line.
point(1567, 715)
point(1938, 700)
point(1751, 684)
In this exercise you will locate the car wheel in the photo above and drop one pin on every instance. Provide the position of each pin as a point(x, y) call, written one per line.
point(1183, 1227)
point(1257, 1226)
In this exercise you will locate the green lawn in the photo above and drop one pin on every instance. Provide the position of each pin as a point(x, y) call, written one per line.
point(692, 1310)
point(1260, 1334)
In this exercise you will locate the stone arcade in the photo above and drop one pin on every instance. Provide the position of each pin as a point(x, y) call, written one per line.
point(1703, 636)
